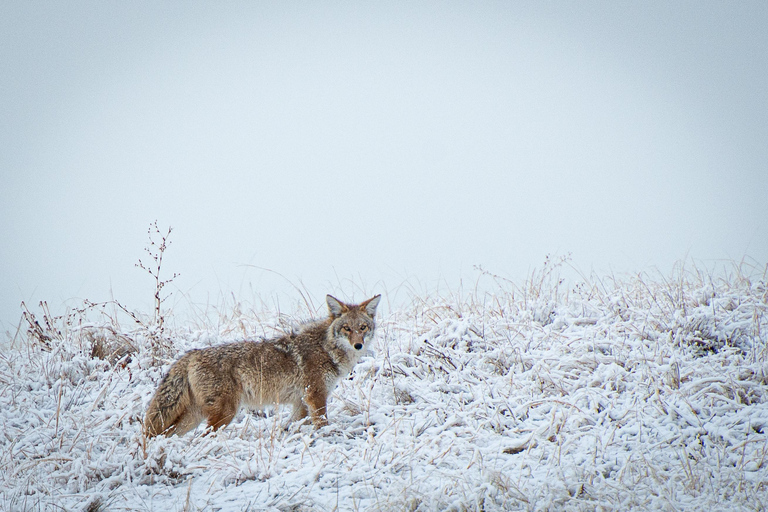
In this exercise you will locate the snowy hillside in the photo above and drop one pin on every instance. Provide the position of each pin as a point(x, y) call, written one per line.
point(644, 393)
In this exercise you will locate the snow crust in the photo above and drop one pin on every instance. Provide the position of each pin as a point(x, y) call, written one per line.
point(639, 394)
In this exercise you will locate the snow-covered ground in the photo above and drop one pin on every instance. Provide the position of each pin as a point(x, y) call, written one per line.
point(640, 393)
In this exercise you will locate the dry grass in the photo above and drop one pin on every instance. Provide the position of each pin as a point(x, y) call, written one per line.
point(647, 392)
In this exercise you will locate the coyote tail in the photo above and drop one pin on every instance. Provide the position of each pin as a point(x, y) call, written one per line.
point(169, 404)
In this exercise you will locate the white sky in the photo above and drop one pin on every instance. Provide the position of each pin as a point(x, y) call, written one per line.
point(407, 141)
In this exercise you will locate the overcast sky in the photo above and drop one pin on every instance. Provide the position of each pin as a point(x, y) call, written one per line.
point(354, 146)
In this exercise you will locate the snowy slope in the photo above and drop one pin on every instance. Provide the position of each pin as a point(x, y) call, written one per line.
point(635, 394)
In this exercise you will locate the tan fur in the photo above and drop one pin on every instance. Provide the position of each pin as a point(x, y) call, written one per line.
point(299, 369)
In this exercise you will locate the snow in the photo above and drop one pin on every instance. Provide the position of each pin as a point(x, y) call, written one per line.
point(636, 394)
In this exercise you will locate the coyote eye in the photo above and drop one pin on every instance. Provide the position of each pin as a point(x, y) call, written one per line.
point(363, 327)
point(346, 328)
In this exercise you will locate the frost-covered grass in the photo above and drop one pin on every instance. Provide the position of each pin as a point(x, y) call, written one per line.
point(641, 393)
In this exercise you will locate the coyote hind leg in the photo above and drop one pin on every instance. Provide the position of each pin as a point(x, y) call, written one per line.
point(220, 412)
point(185, 423)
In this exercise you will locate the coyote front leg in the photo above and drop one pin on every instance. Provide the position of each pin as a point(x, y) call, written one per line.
point(315, 399)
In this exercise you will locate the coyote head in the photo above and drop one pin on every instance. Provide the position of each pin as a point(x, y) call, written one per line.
point(352, 324)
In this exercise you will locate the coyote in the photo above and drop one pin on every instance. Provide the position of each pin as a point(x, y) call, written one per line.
point(300, 369)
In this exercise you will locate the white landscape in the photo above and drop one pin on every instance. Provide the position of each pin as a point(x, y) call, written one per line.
point(643, 392)
point(430, 152)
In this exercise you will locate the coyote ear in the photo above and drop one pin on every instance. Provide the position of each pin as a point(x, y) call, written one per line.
point(335, 306)
point(370, 305)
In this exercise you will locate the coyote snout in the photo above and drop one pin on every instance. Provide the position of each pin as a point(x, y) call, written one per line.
point(300, 369)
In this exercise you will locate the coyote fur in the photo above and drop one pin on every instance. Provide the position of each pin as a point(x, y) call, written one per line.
point(300, 369)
